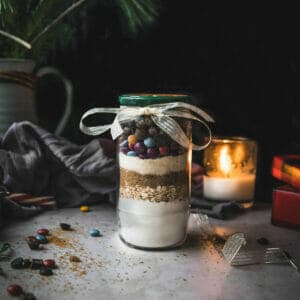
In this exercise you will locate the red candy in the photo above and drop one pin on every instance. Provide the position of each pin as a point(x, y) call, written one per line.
point(43, 231)
point(49, 263)
point(14, 290)
point(164, 150)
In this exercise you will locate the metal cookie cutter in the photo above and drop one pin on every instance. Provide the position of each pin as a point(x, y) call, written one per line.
point(234, 251)
point(237, 256)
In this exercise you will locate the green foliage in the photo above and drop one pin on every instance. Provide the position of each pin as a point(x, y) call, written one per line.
point(139, 14)
point(5, 5)
point(26, 19)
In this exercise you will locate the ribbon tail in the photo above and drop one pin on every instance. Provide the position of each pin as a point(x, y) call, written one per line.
point(96, 130)
point(116, 129)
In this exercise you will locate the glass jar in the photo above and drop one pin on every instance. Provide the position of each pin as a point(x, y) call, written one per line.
point(154, 178)
point(230, 170)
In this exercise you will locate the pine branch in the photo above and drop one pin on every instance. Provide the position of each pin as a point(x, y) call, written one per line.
point(55, 21)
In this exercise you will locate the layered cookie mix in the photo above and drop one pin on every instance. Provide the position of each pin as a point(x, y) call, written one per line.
point(154, 187)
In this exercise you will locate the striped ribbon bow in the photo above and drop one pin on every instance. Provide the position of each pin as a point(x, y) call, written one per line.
point(161, 114)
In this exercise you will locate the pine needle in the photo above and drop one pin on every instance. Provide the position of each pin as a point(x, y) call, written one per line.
point(5, 5)
point(16, 39)
point(55, 21)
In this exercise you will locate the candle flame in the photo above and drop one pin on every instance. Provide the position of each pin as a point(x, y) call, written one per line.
point(225, 161)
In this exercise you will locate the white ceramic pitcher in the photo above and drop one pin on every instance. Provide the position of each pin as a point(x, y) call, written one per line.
point(17, 93)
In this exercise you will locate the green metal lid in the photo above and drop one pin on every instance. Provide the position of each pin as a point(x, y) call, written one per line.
point(145, 99)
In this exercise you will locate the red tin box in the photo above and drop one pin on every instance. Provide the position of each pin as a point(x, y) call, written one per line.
point(286, 207)
point(287, 169)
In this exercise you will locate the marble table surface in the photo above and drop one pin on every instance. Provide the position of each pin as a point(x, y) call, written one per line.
point(111, 270)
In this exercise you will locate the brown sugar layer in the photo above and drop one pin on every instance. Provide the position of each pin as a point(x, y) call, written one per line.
point(130, 179)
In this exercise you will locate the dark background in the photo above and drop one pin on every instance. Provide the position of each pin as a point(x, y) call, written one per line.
point(241, 62)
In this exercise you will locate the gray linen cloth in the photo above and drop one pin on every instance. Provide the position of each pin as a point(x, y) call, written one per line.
point(37, 162)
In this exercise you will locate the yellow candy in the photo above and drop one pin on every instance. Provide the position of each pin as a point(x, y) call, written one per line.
point(84, 208)
point(131, 139)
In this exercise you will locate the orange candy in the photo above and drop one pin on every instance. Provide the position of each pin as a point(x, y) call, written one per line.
point(131, 139)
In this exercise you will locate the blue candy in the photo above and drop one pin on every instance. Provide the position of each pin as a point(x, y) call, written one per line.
point(94, 232)
point(42, 239)
point(149, 142)
point(131, 153)
point(124, 143)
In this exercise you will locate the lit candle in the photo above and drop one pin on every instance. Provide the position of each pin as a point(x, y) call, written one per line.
point(230, 166)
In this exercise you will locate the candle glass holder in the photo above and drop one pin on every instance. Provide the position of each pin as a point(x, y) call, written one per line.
point(230, 170)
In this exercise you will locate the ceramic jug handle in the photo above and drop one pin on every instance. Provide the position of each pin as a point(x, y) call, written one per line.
point(69, 96)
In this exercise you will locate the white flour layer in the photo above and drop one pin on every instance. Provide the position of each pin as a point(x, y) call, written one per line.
point(158, 166)
point(153, 224)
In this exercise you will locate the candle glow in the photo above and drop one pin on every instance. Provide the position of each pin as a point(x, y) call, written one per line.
point(229, 170)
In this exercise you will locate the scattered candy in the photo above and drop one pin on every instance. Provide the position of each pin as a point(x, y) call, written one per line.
point(140, 148)
point(140, 134)
point(164, 150)
point(143, 133)
point(263, 241)
point(45, 271)
point(126, 131)
point(17, 263)
point(42, 239)
point(26, 263)
point(5, 251)
point(124, 144)
point(65, 226)
point(84, 208)
point(131, 139)
point(43, 231)
point(149, 121)
point(124, 150)
point(74, 258)
point(14, 290)
point(33, 243)
point(130, 147)
point(149, 142)
point(153, 131)
point(140, 122)
point(28, 296)
point(131, 153)
point(94, 232)
point(49, 263)
point(152, 152)
point(36, 264)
